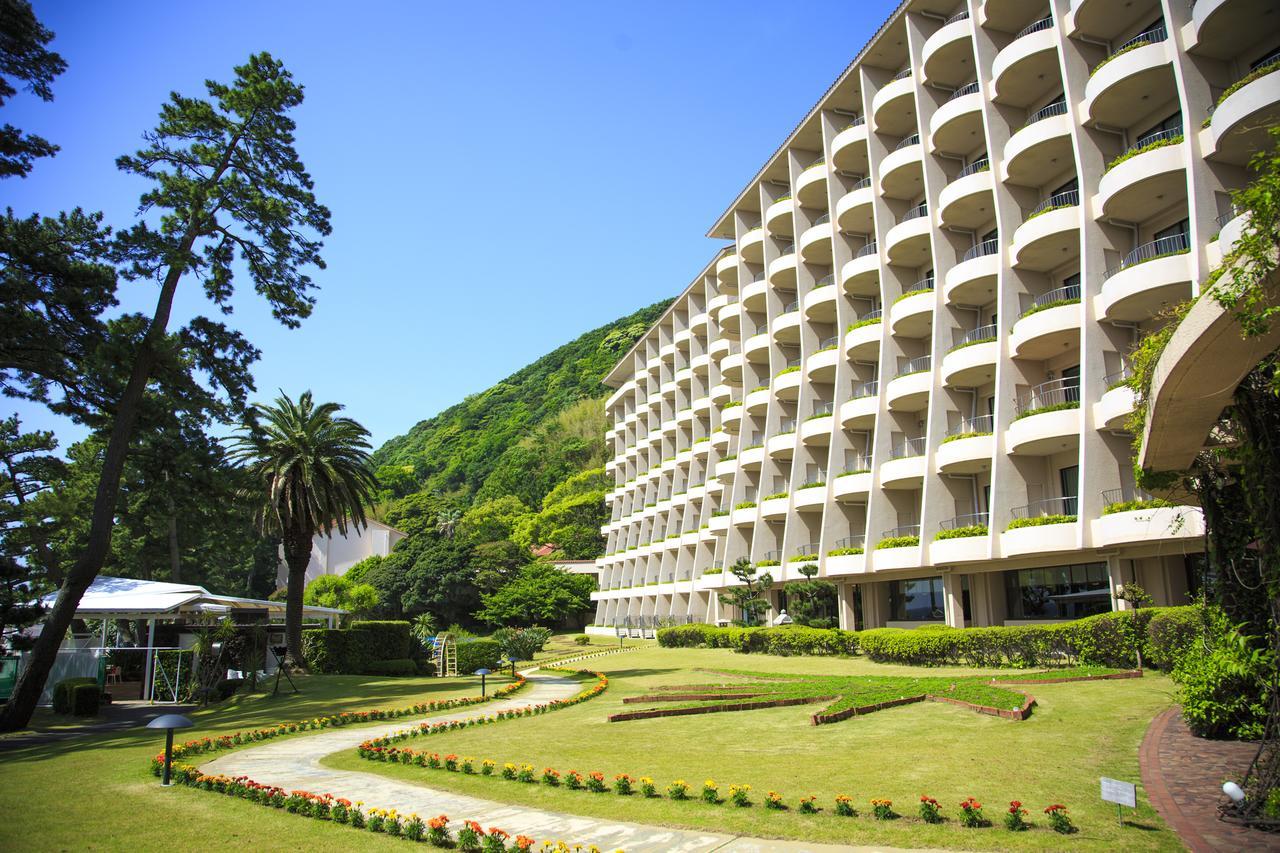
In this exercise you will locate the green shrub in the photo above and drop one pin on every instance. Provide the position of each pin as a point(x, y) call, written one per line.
point(1221, 683)
point(63, 690)
point(1130, 506)
point(898, 542)
point(1040, 521)
point(582, 640)
point(1121, 52)
point(761, 564)
point(1246, 80)
point(387, 640)
point(961, 532)
point(424, 667)
point(404, 666)
point(1170, 633)
point(712, 571)
point(792, 369)
point(844, 552)
point(475, 654)
point(336, 651)
point(85, 699)
point(961, 435)
point(1052, 407)
point(1150, 146)
point(1045, 306)
point(860, 323)
point(744, 505)
point(775, 496)
point(910, 293)
point(782, 640)
point(816, 484)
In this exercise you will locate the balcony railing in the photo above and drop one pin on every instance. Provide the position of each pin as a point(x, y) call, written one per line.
point(907, 448)
point(1121, 376)
point(857, 122)
point(1070, 198)
point(1174, 244)
point(1048, 506)
point(982, 334)
point(986, 247)
point(921, 209)
point(982, 164)
point(907, 141)
point(1065, 295)
point(1156, 34)
point(794, 361)
point(1224, 218)
point(828, 343)
point(963, 14)
point(967, 88)
point(1034, 27)
point(923, 284)
point(869, 249)
point(762, 328)
point(793, 305)
point(1055, 392)
point(851, 542)
point(862, 390)
point(861, 185)
point(915, 365)
point(901, 530)
point(822, 220)
point(822, 409)
point(972, 519)
point(902, 75)
point(815, 164)
point(830, 278)
point(1057, 108)
point(789, 249)
point(874, 314)
point(1157, 136)
point(857, 464)
point(786, 426)
point(774, 556)
point(981, 425)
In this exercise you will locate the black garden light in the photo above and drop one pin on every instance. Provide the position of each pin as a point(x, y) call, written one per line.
point(482, 672)
point(169, 722)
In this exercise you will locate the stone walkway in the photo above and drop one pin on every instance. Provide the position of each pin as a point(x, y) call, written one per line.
point(294, 764)
point(1183, 775)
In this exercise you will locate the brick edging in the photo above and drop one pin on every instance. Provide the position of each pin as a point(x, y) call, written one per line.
point(1129, 673)
point(1158, 795)
point(715, 709)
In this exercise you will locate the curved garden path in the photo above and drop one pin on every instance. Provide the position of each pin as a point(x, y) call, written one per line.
point(294, 764)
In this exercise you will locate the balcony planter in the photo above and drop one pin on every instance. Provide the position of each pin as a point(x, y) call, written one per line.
point(961, 532)
point(897, 542)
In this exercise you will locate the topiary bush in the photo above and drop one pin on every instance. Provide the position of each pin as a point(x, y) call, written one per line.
point(85, 699)
point(63, 690)
point(476, 654)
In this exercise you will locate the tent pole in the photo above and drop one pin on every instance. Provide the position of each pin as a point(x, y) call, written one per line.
point(103, 644)
point(151, 655)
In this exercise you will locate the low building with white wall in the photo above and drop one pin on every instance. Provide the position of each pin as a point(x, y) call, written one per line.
point(334, 554)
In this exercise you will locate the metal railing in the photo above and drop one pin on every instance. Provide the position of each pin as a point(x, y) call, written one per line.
point(981, 425)
point(1052, 393)
point(970, 520)
point(900, 530)
point(1067, 293)
point(772, 555)
point(869, 249)
point(923, 284)
point(822, 220)
point(762, 328)
point(921, 209)
point(818, 479)
point(1158, 33)
point(966, 89)
point(789, 249)
point(851, 542)
point(1034, 27)
point(874, 314)
point(858, 462)
point(830, 278)
point(1125, 494)
point(918, 364)
point(857, 122)
point(1057, 108)
point(986, 247)
point(962, 15)
point(982, 164)
point(1168, 133)
point(793, 305)
point(786, 426)
point(973, 336)
point(862, 390)
point(794, 361)
point(828, 343)
point(806, 549)
point(902, 75)
point(1174, 244)
point(821, 409)
point(907, 448)
point(821, 161)
point(1224, 218)
point(861, 185)
point(1070, 198)
point(1048, 506)
point(907, 141)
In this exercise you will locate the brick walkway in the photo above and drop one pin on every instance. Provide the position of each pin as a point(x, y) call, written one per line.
point(1183, 775)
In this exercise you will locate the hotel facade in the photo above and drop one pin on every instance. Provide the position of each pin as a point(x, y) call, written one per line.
point(906, 367)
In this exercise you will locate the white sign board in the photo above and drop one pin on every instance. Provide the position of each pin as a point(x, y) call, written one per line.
point(1120, 793)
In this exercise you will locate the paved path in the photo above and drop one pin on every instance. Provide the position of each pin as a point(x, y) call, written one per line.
point(294, 764)
point(1183, 775)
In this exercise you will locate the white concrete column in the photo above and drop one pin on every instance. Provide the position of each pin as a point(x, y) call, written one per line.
point(151, 656)
point(953, 599)
point(848, 618)
point(1117, 577)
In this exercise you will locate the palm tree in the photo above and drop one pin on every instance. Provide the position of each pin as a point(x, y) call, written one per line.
point(311, 474)
point(447, 522)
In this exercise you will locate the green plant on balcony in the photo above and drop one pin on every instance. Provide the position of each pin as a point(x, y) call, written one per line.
point(844, 552)
point(732, 404)
point(795, 368)
point(855, 471)
point(755, 446)
point(910, 293)
point(1045, 306)
point(646, 506)
point(764, 564)
point(1119, 53)
point(681, 493)
point(961, 532)
point(714, 571)
point(827, 348)
point(1042, 211)
point(745, 505)
point(898, 542)
point(1040, 521)
point(1136, 504)
point(963, 435)
point(817, 415)
point(759, 388)
point(704, 527)
point(803, 558)
point(729, 458)
point(720, 513)
point(668, 459)
point(705, 438)
point(858, 324)
point(781, 198)
point(1052, 407)
point(1143, 149)
point(1262, 71)
point(775, 496)
point(972, 343)
point(816, 484)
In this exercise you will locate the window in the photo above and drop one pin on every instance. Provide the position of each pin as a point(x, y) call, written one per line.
point(1172, 123)
point(917, 600)
point(1069, 482)
point(1177, 229)
point(1071, 384)
point(1069, 187)
point(1271, 56)
point(1058, 592)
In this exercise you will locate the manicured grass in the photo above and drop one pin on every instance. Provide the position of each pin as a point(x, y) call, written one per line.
point(1077, 733)
point(97, 791)
point(563, 646)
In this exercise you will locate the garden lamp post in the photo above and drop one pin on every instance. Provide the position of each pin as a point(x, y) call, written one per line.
point(482, 672)
point(169, 722)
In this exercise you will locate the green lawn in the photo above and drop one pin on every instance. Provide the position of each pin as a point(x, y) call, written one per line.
point(563, 645)
point(96, 792)
point(1077, 733)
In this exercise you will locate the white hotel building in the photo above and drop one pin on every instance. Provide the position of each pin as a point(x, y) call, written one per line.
point(922, 319)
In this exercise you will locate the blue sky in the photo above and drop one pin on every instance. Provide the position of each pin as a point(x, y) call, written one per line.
point(502, 176)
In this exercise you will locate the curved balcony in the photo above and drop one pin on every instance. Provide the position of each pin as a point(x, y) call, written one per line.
point(967, 449)
point(905, 467)
point(757, 402)
point(731, 367)
point(1027, 67)
point(973, 280)
point(1044, 538)
point(786, 326)
point(821, 366)
point(751, 246)
point(849, 147)
point(786, 386)
point(1238, 125)
point(756, 347)
point(815, 242)
point(947, 56)
point(727, 268)
point(860, 276)
point(783, 445)
point(778, 217)
point(972, 360)
point(1049, 235)
point(753, 294)
point(911, 316)
point(1049, 325)
point(907, 243)
point(743, 517)
point(967, 201)
point(854, 209)
point(751, 458)
point(782, 269)
point(853, 487)
point(1105, 20)
point(721, 394)
point(729, 313)
point(811, 498)
point(1039, 147)
point(717, 302)
point(1217, 25)
point(820, 302)
point(893, 108)
point(859, 411)
point(956, 125)
point(1113, 409)
point(811, 185)
point(964, 549)
point(1138, 72)
point(902, 169)
point(909, 390)
point(1148, 279)
point(816, 429)
point(774, 508)
point(862, 338)
point(731, 418)
point(1151, 180)
point(1047, 419)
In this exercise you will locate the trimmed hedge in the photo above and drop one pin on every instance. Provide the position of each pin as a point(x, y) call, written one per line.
point(476, 654)
point(782, 640)
point(85, 699)
point(400, 666)
point(336, 651)
point(64, 693)
point(387, 640)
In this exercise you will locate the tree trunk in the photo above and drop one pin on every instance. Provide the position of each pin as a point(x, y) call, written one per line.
point(297, 555)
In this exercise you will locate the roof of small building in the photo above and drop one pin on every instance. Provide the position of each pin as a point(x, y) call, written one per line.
point(131, 598)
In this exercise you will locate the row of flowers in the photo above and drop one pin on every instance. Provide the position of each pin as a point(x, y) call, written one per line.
point(376, 748)
point(346, 718)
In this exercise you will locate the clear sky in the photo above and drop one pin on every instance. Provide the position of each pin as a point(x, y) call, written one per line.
point(502, 176)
